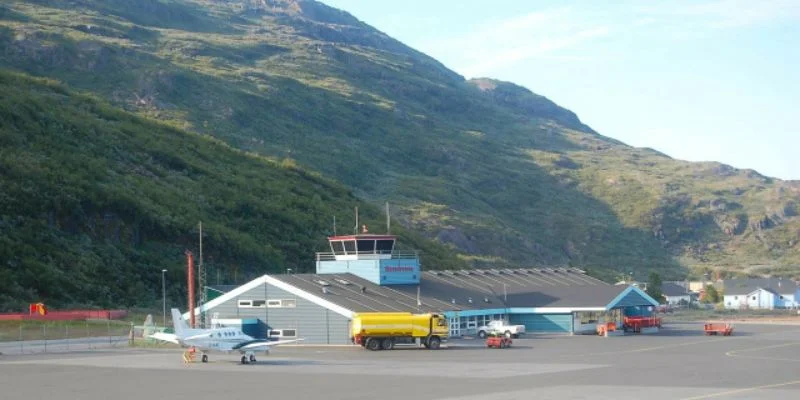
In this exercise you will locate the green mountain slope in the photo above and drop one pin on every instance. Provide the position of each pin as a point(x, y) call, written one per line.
point(499, 174)
point(95, 202)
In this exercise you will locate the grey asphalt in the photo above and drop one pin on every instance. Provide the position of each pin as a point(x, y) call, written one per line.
point(758, 362)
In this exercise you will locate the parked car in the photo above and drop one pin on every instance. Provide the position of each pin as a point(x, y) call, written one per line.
point(501, 327)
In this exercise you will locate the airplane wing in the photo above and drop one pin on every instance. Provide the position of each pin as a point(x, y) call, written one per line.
point(167, 337)
point(198, 336)
point(267, 344)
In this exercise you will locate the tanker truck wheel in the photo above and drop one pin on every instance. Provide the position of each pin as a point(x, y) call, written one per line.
point(387, 344)
point(433, 343)
point(373, 344)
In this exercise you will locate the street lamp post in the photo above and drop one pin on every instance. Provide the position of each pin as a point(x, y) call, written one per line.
point(164, 296)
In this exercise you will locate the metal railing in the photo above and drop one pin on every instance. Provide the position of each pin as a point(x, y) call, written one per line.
point(397, 254)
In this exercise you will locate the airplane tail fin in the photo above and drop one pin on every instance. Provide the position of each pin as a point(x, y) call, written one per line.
point(179, 323)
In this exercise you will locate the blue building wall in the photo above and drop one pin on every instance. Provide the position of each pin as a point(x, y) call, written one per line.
point(367, 269)
point(543, 322)
point(399, 271)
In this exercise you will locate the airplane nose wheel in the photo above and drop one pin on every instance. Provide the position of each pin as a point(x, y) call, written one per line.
point(204, 358)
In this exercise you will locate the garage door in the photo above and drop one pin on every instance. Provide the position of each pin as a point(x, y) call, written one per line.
point(543, 322)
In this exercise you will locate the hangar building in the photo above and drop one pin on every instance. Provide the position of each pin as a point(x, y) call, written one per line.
point(364, 273)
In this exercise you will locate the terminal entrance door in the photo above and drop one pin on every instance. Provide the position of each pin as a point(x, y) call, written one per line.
point(472, 325)
point(455, 326)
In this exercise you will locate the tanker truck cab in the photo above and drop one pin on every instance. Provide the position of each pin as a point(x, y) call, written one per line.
point(381, 331)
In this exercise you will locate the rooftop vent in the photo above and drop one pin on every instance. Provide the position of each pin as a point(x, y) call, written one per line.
point(342, 281)
point(321, 282)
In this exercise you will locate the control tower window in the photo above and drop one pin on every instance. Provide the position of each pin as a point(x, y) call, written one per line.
point(338, 247)
point(366, 246)
point(384, 246)
point(350, 246)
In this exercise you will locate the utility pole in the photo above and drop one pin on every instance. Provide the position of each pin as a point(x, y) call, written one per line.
point(164, 296)
point(201, 275)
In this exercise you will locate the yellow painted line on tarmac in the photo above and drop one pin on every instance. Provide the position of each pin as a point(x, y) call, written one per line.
point(743, 390)
point(662, 347)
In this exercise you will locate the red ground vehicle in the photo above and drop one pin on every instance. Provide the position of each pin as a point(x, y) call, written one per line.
point(498, 341)
point(718, 329)
point(635, 324)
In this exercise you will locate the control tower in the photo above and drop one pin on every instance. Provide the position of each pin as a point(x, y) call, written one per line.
point(372, 257)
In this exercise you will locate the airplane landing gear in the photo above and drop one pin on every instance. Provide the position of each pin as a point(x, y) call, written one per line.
point(244, 359)
point(252, 358)
point(204, 358)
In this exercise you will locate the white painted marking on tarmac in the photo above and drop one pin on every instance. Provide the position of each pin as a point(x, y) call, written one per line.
point(735, 353)
point(743, 390)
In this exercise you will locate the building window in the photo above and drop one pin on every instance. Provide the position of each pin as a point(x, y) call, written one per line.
point(279, 303)
point(289, 303)
point(736, 297)
point(289, 333)
point(754, 297)
point(588, 317)
point(283, 333)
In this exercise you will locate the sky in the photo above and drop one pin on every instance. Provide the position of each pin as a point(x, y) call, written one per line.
point(702, 80)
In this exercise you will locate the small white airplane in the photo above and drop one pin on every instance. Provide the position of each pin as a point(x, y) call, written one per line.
point(218, 339)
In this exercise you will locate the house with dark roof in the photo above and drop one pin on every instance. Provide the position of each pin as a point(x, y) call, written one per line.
point(765, 294)
point(675, 294)
point(361, 274)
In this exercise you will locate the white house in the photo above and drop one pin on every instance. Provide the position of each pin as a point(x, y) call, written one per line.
point(675, 294)
point(765, 294)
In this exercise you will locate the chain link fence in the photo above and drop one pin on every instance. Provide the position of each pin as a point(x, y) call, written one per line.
point(28, 337)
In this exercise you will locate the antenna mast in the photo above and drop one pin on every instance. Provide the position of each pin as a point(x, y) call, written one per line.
point(355, 231)
point(388, 221)
point(190, 283)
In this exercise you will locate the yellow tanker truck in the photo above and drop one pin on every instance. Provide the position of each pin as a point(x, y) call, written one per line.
point(381, 331)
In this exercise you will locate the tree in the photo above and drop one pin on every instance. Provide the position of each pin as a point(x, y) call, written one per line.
point(654, 287)
point(711, 295)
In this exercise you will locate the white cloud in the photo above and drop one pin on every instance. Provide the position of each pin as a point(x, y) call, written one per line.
point(728, 13)
point(502, 43)
point(562, 34)
point(485, 61)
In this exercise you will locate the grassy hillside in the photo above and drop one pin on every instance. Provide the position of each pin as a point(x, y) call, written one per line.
point(96, 201)
point(497, 173)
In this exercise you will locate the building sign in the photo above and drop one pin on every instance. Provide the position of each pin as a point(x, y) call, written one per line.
point(399, 268)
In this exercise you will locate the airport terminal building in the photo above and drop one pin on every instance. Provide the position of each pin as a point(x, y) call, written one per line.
point(364, 273)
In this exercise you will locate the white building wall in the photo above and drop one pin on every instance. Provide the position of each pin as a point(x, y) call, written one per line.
point(761, 300)
point(674, 300)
